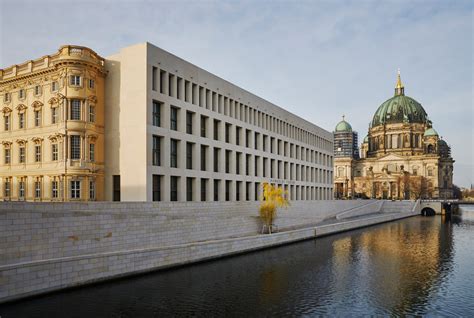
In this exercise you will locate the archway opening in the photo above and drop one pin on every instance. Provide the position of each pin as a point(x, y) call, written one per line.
point(428, 212)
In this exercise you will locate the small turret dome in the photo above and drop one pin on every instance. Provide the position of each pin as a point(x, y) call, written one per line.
point(430, 132)
point(366, 139)
point(343, 126)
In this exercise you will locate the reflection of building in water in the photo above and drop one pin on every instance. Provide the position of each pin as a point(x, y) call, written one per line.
point(401, 157)
point(400, 264)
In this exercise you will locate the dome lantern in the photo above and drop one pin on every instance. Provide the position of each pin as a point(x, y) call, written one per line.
point(399, 88)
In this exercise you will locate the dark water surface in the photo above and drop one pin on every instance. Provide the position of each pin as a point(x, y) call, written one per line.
point(417, 266)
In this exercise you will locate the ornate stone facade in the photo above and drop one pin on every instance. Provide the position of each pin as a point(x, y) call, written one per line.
point(52, 130)
point(402, 157)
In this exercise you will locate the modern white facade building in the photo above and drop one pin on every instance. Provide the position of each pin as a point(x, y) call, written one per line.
point(175, 132)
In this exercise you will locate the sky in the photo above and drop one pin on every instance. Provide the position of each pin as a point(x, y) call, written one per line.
point(317, 59)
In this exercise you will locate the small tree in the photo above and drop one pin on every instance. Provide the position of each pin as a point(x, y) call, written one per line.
point(273, 197)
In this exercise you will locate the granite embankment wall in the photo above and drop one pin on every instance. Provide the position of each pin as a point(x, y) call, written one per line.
point(49, 246)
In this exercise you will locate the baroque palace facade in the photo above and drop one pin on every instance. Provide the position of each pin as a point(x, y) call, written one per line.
point(402, 157)
point(145, 125)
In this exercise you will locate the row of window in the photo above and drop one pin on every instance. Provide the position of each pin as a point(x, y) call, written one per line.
point(242, 137)
point(75, 113)
point(175, 86)
point(74, 151)
point(393, 141)
point(74, 80)
point(75, 189)
point(242, 190)
point(262, 166)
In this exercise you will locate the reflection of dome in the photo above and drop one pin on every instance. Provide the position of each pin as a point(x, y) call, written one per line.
point(366, 139)
point(430, 132)
point(399, 109)
point(343, 126)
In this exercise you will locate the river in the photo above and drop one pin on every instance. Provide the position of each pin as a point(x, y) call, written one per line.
point(416, 266)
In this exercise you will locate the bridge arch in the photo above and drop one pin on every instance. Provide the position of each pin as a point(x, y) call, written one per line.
point(428, 212)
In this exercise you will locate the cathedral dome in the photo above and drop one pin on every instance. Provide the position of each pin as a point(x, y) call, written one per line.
point(366, 139)
point(430, 132)
point(399, 109)
point(343, 126)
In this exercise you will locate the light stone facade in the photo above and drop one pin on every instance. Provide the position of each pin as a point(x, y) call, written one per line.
point(145, 125)
point(52, 128)
point(179, 133)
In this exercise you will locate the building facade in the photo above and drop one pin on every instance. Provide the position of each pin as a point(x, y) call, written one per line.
point(402, 157)
point(52, 130)
point(145, 125)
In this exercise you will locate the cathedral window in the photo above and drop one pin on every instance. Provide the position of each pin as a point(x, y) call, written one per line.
point(75, 109)
point(75, 80)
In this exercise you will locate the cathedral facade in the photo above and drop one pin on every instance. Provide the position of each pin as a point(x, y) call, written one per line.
point(402, 157)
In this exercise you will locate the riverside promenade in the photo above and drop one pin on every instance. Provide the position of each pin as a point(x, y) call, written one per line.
point(52, 246)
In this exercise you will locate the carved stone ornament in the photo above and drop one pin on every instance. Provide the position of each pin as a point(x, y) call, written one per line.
point(6, 110)
point(92, 99)
point(37, 140)
point(6, 143)
point(37, 105)
point(21, 107)
point(92, 138)
point(21, 141)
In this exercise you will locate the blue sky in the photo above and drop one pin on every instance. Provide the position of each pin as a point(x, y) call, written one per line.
point(317, 59)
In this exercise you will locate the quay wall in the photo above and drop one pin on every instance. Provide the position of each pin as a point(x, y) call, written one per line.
point(46, 247)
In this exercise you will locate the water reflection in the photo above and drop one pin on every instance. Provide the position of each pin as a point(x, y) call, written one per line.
point(418, 266)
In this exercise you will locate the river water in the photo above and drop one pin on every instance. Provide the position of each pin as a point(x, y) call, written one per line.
point(416, 266)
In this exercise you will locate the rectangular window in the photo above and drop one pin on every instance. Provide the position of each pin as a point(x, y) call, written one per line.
point(75, 189)
point(21, 189)
point(7, 156)
point(91, 113)
point(75, 80)
point(173, 188)
point(91, 152)
point(216, 159)
point(203, 157)
point(6, 97)
point(156, 153)
point(22, 154)
point(116, 187)
point(37, 118)
point(237, 135)
point(21, 120)
point(237, 190)
point(216, 129)
point(157, 113)
point(227, 161)
point(37, 153)
point(91, 83)
point(7, 188)
point(203, 126)
point(54, 86)
point(247, 138)
point(162, 81)
point(156, 187)
point(54, 115)
point(37, 189)
point(227, 132)
point(7, 122)
point(237, 162)
point(189, 155)
point(91, 190)
point(154, 71)
point(227, 190)
point(203, 189)
point(174, 153)
point(174, 118)
point(189, 122)
point(54, 150)
point(21, 93)
point(216, 190)
point(75, 109)
point(37, 90)
point(189, 189)
point(75, 147)
point(54, 189)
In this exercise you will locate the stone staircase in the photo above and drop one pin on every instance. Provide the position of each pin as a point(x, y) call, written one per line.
point(397, 206)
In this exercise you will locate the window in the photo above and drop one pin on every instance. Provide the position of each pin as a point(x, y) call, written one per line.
point(75, 147)
point(54, 150)
point(174, 153)
point(7, 156)
point(116, 187)
point(227, 132)
point(237, 162)
point(216, 159)
point(157, 113)
point(54, 115)
point(154, 71)
point(75, 80)
point(91, 83)
point(7, 188)
point(247, 138)
point(162, 81)
point(37, 189)
point(227, 190)
point(227, 161)
point(91, 152)
point(7, 122)
point(22, 154)
point(21, 93)
point(189, 189)
point(54, 189)
point(37, 118)
point(216, 190)
point(430, 172)
point(156, 188)
point(91, 190)
point(75, 189)
point(38, 153)
point(203, 189)
point(54, 86)
point(174, 118)
point(203, 157)
point(189, 155)
point(21, 189)
point(6, 97)
point(203, 126)
point(173, 188)
point(91, 113)
point(216, 129)
point(237, 135)
point(156, 153)
point(37, 90)
point(75, 109)
point(21, 120)
point(189, 122)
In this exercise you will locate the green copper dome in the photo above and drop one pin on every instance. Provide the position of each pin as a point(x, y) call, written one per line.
point(399, 109)
point(366, 139)
point(430, 132)
point(343, 126)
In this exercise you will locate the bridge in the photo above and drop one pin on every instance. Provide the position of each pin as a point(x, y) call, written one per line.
point(432, 207)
